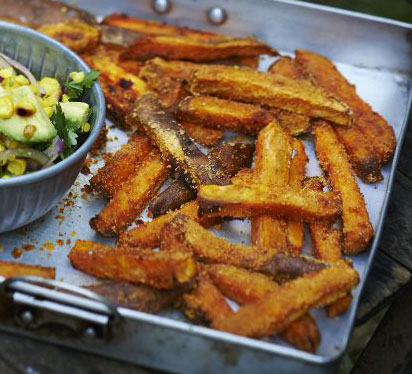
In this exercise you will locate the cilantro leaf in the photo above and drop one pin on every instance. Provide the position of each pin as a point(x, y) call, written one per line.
point(76, 90)
point(67, 135)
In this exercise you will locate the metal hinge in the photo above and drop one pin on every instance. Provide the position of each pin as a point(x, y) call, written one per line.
point(58, 308)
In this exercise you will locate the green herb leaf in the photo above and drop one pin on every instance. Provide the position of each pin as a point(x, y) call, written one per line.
point(76, 90)
point(68, 136)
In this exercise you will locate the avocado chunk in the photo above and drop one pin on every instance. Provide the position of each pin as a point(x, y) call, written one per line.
point(29, 123)
point(76, 114)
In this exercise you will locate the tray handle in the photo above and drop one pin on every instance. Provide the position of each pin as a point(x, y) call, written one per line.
point(36, 303)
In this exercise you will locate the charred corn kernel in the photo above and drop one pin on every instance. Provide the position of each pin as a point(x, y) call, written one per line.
point(51, 87)
point(6, 107)
point(9, 83)
point(11, 144)
point(49, 102)
point(34, 89)
point(86, 127)
point(17, 166)
point(6, 73)
point(29, 131)
point(77, 76)
point(22, 80)
point(49, 111)
point(25, 108)
point(65, 98)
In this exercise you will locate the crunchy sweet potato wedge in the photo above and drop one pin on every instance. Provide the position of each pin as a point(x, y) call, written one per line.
point(357, 229)
point(35, 13)
point(292, 300)
point(223, 114)
point(288, 67)
point(327, 247)
point(156, 28)
point(294, 230)
point(245, 287)
point(172, 198)
point(271, 90)
point(176, 146)
point(200, 50)
point(184, 234)
point(293, 123)
point(148, 234)
point(365, 161)
point(203, 135)
point(239, 201)
point(158, 69)
point(121, 88)
point(12, 269)
point(74, 34)
point(229, 156)
point(137, 296)
point(372, 125)
point(205, 304)
point(110, 177)
point(132, 197)
point(162, 270)
point(272, 168)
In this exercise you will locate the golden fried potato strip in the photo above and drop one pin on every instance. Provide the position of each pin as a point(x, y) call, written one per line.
point(205, 304)
point(327, 247)
point(223, 114)
point(240, 201)
point(245, 287)
point(372, 125)
point(364, 160)
point(74, 34)
point(203, 135)
point(132, 197)
point(110, 177)
point(270, 90)
point(294, 230)
point(148, 234)
point(292, 300)
point(184, 234)
point(11, 269)
point(357, 229)
point(162, 270)
point(272, 167)
point(186, 48)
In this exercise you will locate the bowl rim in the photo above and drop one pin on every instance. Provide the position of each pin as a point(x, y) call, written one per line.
point(100, 113)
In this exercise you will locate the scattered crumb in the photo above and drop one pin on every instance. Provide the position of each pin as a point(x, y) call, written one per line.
point(17, 252)
point(28, 247)
point(73, 233)
point(60, 242)
point(1, 247)
point(68, 242)
point(49, 246)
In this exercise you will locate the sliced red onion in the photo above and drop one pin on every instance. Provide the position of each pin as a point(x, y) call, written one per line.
point(30, 153)
point(33, 165)
point(54, 150)
point(22, 68)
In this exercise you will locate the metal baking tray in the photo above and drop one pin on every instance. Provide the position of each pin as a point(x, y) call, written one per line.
point(374, 53)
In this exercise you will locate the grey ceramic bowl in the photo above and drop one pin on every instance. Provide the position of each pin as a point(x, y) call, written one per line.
point(28, 197)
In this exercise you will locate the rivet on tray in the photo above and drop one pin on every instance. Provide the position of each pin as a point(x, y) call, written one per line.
point(161, 6)
point(26, 317)
point(217, 16)
point(90, 333)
